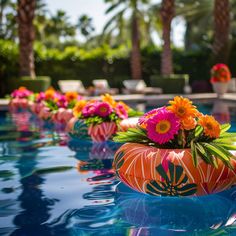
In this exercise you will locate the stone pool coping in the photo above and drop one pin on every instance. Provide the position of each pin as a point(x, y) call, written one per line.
point(154, 99)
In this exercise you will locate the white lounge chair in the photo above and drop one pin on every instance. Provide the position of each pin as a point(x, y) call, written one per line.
point(71, 85)
point(101, 86)
point(139, 86)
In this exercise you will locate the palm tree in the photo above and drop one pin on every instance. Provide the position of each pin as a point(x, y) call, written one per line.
point(221, 30)
point(26, 11)
point(122, 7)
point(85, 25)
point(167, 14)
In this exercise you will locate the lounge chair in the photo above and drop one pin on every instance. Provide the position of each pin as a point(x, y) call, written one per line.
point(139, 86)
point(72, 85)
point(101, 86)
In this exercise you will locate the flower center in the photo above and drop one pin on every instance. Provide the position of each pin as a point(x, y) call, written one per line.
point(209, 126)
point(181, 111)
point(103, 109)
point(163, 127)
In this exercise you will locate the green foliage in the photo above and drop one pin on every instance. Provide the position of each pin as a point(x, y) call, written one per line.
point(209, 150)
point(175, 185)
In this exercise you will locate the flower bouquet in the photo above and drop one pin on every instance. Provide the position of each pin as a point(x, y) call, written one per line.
point(220, 77)
point(19, 99)
point(177, 151)
point(98, 120)
point(54, 106)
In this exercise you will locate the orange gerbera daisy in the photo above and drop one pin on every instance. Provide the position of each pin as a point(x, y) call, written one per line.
point(49, 94)
point(70, 96)
point(188, 123)
point(210, 125)
point(183, 108)
point(79, 107)
point(109, 99)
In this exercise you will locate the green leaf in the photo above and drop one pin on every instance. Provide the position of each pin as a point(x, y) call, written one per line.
point(194, 154)
point(214, 149)
point(224, 128)
point(198, 131)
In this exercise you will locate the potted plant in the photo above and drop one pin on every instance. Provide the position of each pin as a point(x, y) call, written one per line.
point(177, 151)
point(220, 77)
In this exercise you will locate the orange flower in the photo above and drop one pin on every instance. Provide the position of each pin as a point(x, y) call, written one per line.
point(49, 94)
point(109, 99)
point(210, 125)
point(22, 88)
point(188, 123)
point(70, 96)
point(79, 107)
point(183, 108)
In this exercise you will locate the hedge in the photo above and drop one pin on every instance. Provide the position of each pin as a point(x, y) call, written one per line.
point(101, 62)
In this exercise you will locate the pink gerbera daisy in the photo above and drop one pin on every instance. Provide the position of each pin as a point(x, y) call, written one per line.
point(103, 109)
point(143, 119)
point(163, 126)
point(121, 111)
point(89, 109)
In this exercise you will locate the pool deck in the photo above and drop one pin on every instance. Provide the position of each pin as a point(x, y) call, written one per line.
point(155, 99)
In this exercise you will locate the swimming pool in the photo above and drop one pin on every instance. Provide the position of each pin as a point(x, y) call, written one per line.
point(50, 185)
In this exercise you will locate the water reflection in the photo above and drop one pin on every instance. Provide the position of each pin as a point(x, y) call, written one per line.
point(221, 112)
point(176, 214)
point(35, 206)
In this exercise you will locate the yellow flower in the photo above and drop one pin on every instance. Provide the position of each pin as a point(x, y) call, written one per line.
point(79, 107)
point(210, 126)
point(70, 96)
point(183, 108)
point(109, 99)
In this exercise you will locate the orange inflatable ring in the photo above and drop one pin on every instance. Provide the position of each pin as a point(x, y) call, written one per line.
point(170, 172)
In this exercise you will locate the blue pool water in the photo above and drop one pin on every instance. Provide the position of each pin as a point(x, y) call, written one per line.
point(50, 185)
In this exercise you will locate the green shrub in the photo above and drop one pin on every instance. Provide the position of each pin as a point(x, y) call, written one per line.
point(101, 62)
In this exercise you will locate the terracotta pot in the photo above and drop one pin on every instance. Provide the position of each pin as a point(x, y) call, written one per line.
point(98, 133)
point(169, 172)
point(220, 88)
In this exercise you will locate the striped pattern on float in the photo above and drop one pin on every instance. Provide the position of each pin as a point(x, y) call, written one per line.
point(170, 172)
point(102, 132)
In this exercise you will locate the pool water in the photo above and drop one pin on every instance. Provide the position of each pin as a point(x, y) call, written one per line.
point(50, 185)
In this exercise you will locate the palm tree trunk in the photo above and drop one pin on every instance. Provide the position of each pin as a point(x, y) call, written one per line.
point(136, 67)
point(167, 14)
point(221, 30)
point(26, 10)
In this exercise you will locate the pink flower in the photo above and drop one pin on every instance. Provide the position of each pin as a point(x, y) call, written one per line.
point(163, 126)
point(22, 92)
point(89, 109)
point(40, 97)
point(143, 119)
point(121, 112)
point(103, 109)
point(61, 101)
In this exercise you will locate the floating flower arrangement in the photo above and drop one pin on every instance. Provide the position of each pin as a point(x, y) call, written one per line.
point(177, 151)
point(98, 120)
